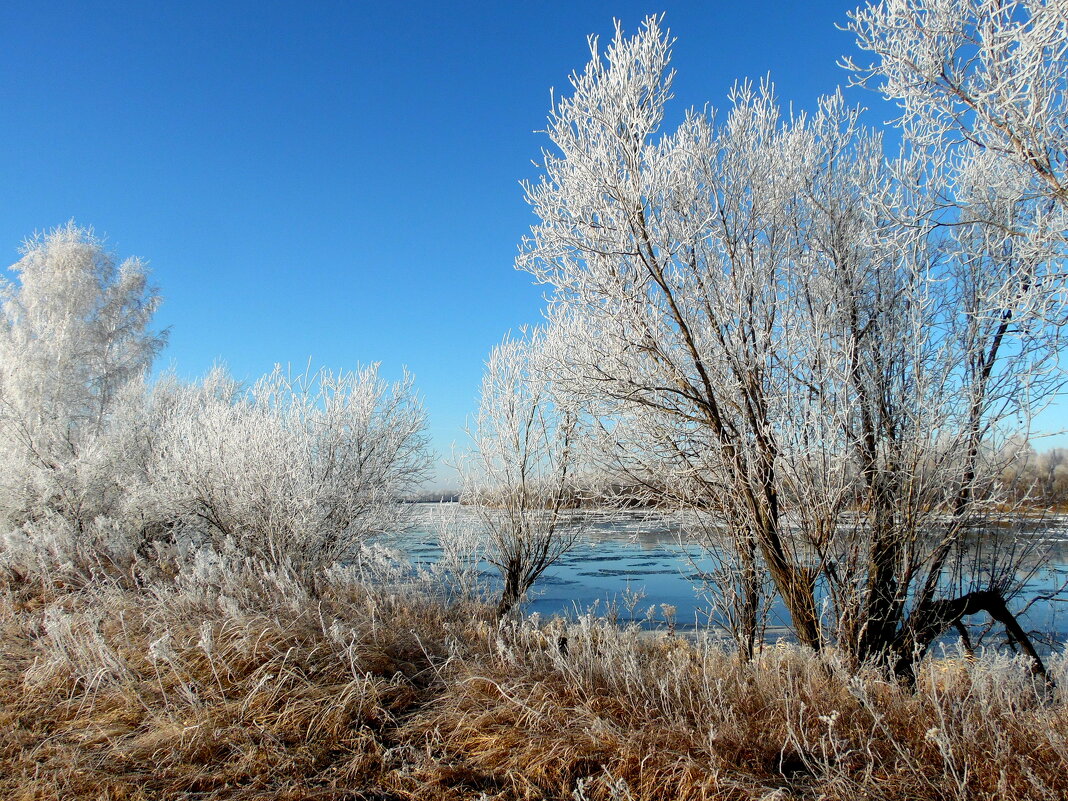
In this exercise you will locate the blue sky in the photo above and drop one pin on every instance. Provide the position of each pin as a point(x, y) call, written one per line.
point(339, 180)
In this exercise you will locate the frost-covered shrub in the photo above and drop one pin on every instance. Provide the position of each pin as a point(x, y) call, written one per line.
point(96, 468)
point(517, 475)
point(54, 548)
point(296, 471)
point(456, 576)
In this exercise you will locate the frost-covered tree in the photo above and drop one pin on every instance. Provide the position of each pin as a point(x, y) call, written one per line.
point(671, 257)
point(74, 333)
point(1039, 478)
point(989, 74)
point(517, 474)
point(768, 316)
point(983, 88)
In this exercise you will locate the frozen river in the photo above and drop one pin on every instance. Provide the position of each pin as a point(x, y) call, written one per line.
point(639, 560)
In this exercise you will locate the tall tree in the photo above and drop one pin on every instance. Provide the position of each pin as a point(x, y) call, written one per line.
point(74, 331)
point(983, 88)
point(769, 313)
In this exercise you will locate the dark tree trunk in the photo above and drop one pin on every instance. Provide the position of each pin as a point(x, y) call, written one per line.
point(511, 594)
point(930, 620)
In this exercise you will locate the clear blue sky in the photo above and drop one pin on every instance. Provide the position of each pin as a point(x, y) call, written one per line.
point(338, 180)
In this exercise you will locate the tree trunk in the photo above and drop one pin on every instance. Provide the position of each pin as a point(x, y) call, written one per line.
point(512, 592)
point(928, 622)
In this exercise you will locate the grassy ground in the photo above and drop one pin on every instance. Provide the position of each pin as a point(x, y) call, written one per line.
point(257, 688)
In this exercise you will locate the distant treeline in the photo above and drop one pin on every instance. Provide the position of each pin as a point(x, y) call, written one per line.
point(1033, 478)
point(1038, 478)
point(435, 496)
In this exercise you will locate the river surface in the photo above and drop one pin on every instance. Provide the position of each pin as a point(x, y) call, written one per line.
point(630, 565)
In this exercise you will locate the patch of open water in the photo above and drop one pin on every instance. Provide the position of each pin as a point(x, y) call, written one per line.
point(631, 564)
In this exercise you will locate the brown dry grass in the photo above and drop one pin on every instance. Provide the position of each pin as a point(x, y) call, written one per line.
point(115, 692)
point(671, 720)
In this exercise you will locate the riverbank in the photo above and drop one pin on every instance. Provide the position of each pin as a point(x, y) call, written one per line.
point(247, 684)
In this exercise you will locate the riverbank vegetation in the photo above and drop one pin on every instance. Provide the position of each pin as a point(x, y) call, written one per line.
point(233, 680)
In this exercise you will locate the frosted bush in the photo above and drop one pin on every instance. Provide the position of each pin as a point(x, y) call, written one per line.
point(296, 471)
point(54, 546)
point(463, 542)
point(75, 649)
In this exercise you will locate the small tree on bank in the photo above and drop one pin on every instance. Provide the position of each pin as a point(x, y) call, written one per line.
point(517, 474)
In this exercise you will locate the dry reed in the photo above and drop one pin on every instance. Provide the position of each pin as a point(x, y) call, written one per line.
point(262, 689)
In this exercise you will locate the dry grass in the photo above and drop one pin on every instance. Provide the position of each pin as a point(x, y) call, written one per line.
point(261, 690)
point(672, 720)
point(108, 693)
